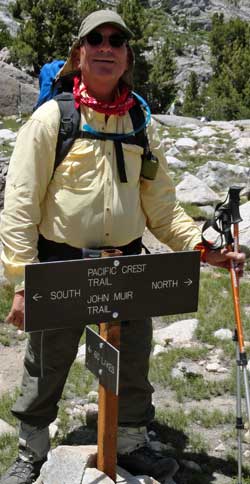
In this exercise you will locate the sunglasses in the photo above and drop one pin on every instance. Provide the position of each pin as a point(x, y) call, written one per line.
point(95, 38)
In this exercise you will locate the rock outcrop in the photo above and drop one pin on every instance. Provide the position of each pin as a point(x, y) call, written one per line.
point(6, 17)
point(76, 465)
point(18, 91)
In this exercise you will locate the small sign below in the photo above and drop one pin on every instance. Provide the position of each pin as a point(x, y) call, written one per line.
point(103, 360)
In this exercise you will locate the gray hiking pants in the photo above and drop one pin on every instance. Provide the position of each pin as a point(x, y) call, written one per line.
point(47, 362)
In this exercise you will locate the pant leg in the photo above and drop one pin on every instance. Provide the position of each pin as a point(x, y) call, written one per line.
point(135, 391)
point(49, 356)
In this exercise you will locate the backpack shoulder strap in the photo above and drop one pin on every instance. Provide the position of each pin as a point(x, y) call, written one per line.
point(150, 163)
point(139, 138)
point(138, 119)
point(69, 125)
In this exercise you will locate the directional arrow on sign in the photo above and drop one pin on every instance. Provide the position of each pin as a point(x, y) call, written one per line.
point(36, 297)
point(188, 282)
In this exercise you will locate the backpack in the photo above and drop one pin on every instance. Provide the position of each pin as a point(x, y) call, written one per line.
point(46, 81)
point(61, 91)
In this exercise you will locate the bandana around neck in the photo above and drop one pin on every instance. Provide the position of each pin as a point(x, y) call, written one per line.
point(119, 106)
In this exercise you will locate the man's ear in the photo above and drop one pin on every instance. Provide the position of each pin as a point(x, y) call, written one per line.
point(75, 58)
point(127, 76)
point(130, 57)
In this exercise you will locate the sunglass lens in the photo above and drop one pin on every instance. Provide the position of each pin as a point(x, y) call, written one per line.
point(116, 40)
point(94, 38)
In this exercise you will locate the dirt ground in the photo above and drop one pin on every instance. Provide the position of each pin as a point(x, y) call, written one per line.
point(11, 366)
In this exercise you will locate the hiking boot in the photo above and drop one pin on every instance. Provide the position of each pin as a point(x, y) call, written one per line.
point(22, 472)
point(145, 460)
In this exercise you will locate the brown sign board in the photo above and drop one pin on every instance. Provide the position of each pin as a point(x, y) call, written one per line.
point(73, 293)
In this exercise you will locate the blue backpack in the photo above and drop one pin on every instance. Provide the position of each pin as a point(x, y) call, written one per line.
point(46, 81)
point(62, 91)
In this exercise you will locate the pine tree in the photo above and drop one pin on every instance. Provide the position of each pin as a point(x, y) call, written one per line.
point(135, 18)
point(88, 6)
point(48, 28)
point(47, 31)
point(154, 81)
point(133, 13)
point(16, 9)
point(227, 92)
point(166, 5)
point(161, 78)
point(5, 37)
point(192, 101)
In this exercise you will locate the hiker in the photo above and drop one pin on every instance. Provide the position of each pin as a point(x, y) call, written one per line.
point(97, 197)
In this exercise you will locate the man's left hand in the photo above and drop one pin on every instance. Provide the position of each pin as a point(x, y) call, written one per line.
point(222, 258)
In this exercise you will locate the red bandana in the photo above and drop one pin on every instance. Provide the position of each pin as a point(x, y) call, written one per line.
point(120, 106)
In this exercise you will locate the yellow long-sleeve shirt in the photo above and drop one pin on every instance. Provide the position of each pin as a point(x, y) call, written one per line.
point(84, 204)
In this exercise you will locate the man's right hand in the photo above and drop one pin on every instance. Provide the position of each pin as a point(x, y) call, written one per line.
point(16, 314)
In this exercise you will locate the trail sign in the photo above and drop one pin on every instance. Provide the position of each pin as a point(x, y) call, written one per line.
point(103, 360)
point(71, 293)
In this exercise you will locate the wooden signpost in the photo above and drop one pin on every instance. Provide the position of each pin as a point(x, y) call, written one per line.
point(102, 359)
point(105, 290)
point(108, 413)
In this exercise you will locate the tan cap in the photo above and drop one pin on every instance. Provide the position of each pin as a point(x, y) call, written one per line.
point(101, 17)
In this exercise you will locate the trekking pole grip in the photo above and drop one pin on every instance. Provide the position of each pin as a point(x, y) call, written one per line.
point(234, 204)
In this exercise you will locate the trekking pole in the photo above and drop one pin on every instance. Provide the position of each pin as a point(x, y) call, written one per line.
point(231, 215)
point(236, 218)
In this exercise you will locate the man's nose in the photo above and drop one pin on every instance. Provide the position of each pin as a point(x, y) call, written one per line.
point(105, 45)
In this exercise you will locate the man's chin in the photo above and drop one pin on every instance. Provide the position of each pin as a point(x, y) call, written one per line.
point(104, 75)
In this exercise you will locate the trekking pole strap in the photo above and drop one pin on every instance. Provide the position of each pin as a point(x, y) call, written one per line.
point(234, 204)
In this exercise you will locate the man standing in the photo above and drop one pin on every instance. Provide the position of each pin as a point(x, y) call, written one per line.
point(52, 215)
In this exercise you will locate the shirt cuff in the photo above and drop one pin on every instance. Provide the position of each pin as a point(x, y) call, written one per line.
point(19, 287)
point(204, 250)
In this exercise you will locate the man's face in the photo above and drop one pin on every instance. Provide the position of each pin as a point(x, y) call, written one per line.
point(103, 63)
